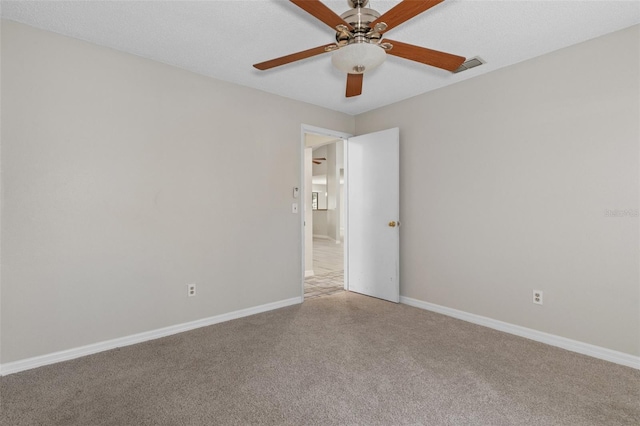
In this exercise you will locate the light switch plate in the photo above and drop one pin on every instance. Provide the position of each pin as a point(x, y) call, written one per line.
point(294, 208)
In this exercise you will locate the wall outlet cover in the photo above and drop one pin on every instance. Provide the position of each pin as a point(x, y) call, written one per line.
point(191, 290)
point(538, 297)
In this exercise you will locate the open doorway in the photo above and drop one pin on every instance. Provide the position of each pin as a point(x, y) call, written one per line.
point(324, 212)
point(371, 202)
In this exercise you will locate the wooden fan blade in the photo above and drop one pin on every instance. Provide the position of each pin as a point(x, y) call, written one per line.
point(403, 12)
point(316, 162)
point(292, 58)
point(443, 60)
point(322, 12)
point(319, 158)
point(354, 85)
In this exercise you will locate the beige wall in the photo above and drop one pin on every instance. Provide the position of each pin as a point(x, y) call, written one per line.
point(1, 192)
point(124, 180)
point(505, 180)
point(309, 222)
point(320, 227)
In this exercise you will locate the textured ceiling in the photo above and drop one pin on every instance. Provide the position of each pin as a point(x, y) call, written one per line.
point(222, 39)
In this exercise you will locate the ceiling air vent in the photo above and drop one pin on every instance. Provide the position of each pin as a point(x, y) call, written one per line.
point(471, 63)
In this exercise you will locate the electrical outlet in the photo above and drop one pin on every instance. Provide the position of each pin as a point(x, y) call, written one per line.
point(191, 290)
point(537, 297)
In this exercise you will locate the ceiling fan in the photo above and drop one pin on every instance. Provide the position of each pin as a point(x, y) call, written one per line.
point(318, 160)
point(359, 45)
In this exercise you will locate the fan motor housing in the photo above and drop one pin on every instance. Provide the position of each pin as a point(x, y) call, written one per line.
point(360, 18)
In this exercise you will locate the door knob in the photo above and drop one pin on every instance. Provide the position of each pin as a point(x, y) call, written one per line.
point(392, 224)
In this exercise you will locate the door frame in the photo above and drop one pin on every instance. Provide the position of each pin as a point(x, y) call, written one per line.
point(304, 129)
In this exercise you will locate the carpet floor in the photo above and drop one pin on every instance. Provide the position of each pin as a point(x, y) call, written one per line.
point(344, 359)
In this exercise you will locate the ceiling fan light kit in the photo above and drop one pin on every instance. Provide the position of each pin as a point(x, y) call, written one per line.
point(359, 46)
point(357, 58)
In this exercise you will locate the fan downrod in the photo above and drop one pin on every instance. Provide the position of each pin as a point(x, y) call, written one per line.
point(357, 3)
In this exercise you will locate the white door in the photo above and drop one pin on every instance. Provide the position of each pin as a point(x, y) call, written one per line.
point(373, 212)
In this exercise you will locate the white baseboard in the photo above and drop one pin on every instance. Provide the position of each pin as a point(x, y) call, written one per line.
point(309, 273)
point(326, 237)
point(39, 361)
point(539, 336)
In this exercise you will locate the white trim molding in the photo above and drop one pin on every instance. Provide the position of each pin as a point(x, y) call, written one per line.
point(539, 336)
point(326, 237)
point(322, 237)
point(309, 273)
point(42, 360)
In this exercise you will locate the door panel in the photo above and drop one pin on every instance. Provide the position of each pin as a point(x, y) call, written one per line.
point(373, 205)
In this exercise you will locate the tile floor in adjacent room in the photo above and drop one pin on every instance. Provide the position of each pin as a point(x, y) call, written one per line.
point(328, 266)
point(324, 285)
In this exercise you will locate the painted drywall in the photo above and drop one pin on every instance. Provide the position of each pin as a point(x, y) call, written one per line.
point(320, 169)
point(333, 207)
point(125, 179)
point(309, 221)
point(320, 223)
point(1, 195)
point(508, 184)
point(342, 206)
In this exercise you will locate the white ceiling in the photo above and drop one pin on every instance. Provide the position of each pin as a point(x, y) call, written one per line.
point(222, 39)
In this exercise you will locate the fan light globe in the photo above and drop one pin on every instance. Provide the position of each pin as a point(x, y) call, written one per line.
point(358, 57)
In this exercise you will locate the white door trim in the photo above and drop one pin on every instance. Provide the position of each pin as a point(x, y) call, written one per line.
point(307, 128)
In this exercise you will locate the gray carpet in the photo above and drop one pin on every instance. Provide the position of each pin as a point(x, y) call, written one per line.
point(344, 359)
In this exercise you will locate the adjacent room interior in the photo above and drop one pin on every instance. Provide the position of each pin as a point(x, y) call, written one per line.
point(156, 267)
point(325, 254)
